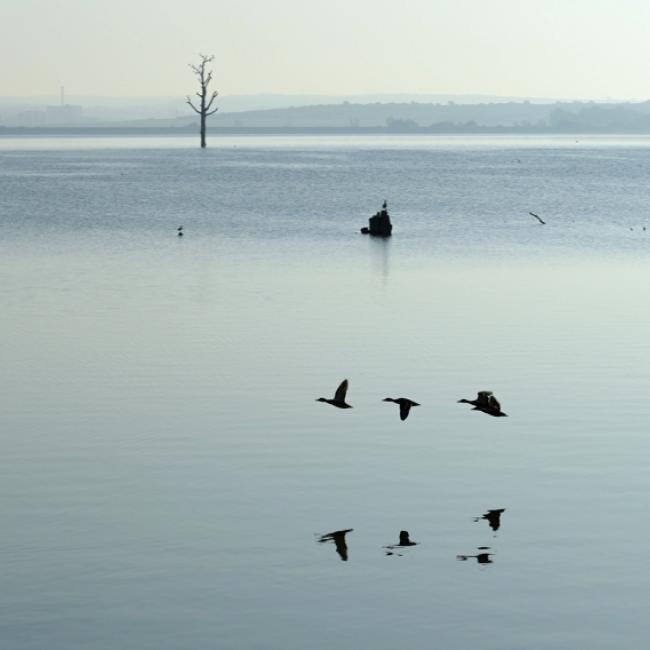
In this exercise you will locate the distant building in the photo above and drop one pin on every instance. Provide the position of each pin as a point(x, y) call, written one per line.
point(27, 118)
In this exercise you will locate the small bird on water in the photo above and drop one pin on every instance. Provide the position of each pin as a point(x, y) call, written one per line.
point(485, 401)
point(180, 231)
point(339, 397)
point(404, 405)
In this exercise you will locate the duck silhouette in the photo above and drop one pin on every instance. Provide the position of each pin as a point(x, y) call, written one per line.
point(180, 231)
point(339, 397)
point(493, 517)
point(338, 537)
point(485, 401)
point(404, 405)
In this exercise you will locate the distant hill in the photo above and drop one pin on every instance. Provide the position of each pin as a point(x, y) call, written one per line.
point(376, 114)
point(559, 116)
point(412, 116)
point(90, 110)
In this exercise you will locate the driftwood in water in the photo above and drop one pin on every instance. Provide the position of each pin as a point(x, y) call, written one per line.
point(532, 214)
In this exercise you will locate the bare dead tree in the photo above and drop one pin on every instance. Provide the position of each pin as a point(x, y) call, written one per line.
point(205, 77)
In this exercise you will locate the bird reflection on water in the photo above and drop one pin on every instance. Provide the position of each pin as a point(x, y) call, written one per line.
point(338, 537)
point(404, 541)
point(481, 558)
point(493, 517)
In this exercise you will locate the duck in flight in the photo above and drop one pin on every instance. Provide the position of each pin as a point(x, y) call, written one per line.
point(485, 401)
point(404, 405)
point(339, 397)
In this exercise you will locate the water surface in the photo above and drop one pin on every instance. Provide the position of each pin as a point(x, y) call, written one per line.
point(166, 472)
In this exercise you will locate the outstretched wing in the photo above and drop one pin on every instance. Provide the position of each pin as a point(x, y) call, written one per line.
point(493, 403)
point(483, 398)
point(339, 396)
point(404, 408)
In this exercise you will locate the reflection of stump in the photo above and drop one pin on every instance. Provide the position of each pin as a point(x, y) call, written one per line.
point(379, 225)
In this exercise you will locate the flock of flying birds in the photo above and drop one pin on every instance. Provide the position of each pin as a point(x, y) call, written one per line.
point(485, 401)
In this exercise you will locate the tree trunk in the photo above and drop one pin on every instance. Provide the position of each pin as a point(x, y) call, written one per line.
point(204, 92)
point(206, 102)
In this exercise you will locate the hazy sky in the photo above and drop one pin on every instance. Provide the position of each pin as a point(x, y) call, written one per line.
point(544, 48)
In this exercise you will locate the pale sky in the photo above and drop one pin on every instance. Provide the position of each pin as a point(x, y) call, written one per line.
point(546, 48)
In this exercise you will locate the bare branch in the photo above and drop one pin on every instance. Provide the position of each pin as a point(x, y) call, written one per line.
point(189, 101)
point(212, 112)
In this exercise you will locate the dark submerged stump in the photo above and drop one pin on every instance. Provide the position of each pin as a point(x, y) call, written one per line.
point(379, 225)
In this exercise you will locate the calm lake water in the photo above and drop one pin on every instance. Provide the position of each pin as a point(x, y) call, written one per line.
point(165, 471)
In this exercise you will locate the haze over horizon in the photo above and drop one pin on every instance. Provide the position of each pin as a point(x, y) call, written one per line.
point(588, 49)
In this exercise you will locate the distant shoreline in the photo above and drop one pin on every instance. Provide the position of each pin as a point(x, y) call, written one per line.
point(109, 131)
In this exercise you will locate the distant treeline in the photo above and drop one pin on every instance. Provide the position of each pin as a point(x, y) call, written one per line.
point(508, 117)
point(451, 117)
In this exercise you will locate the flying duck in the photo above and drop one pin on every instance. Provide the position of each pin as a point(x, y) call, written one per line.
point(339, 397)
point(485, 401)
point(404, 405)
